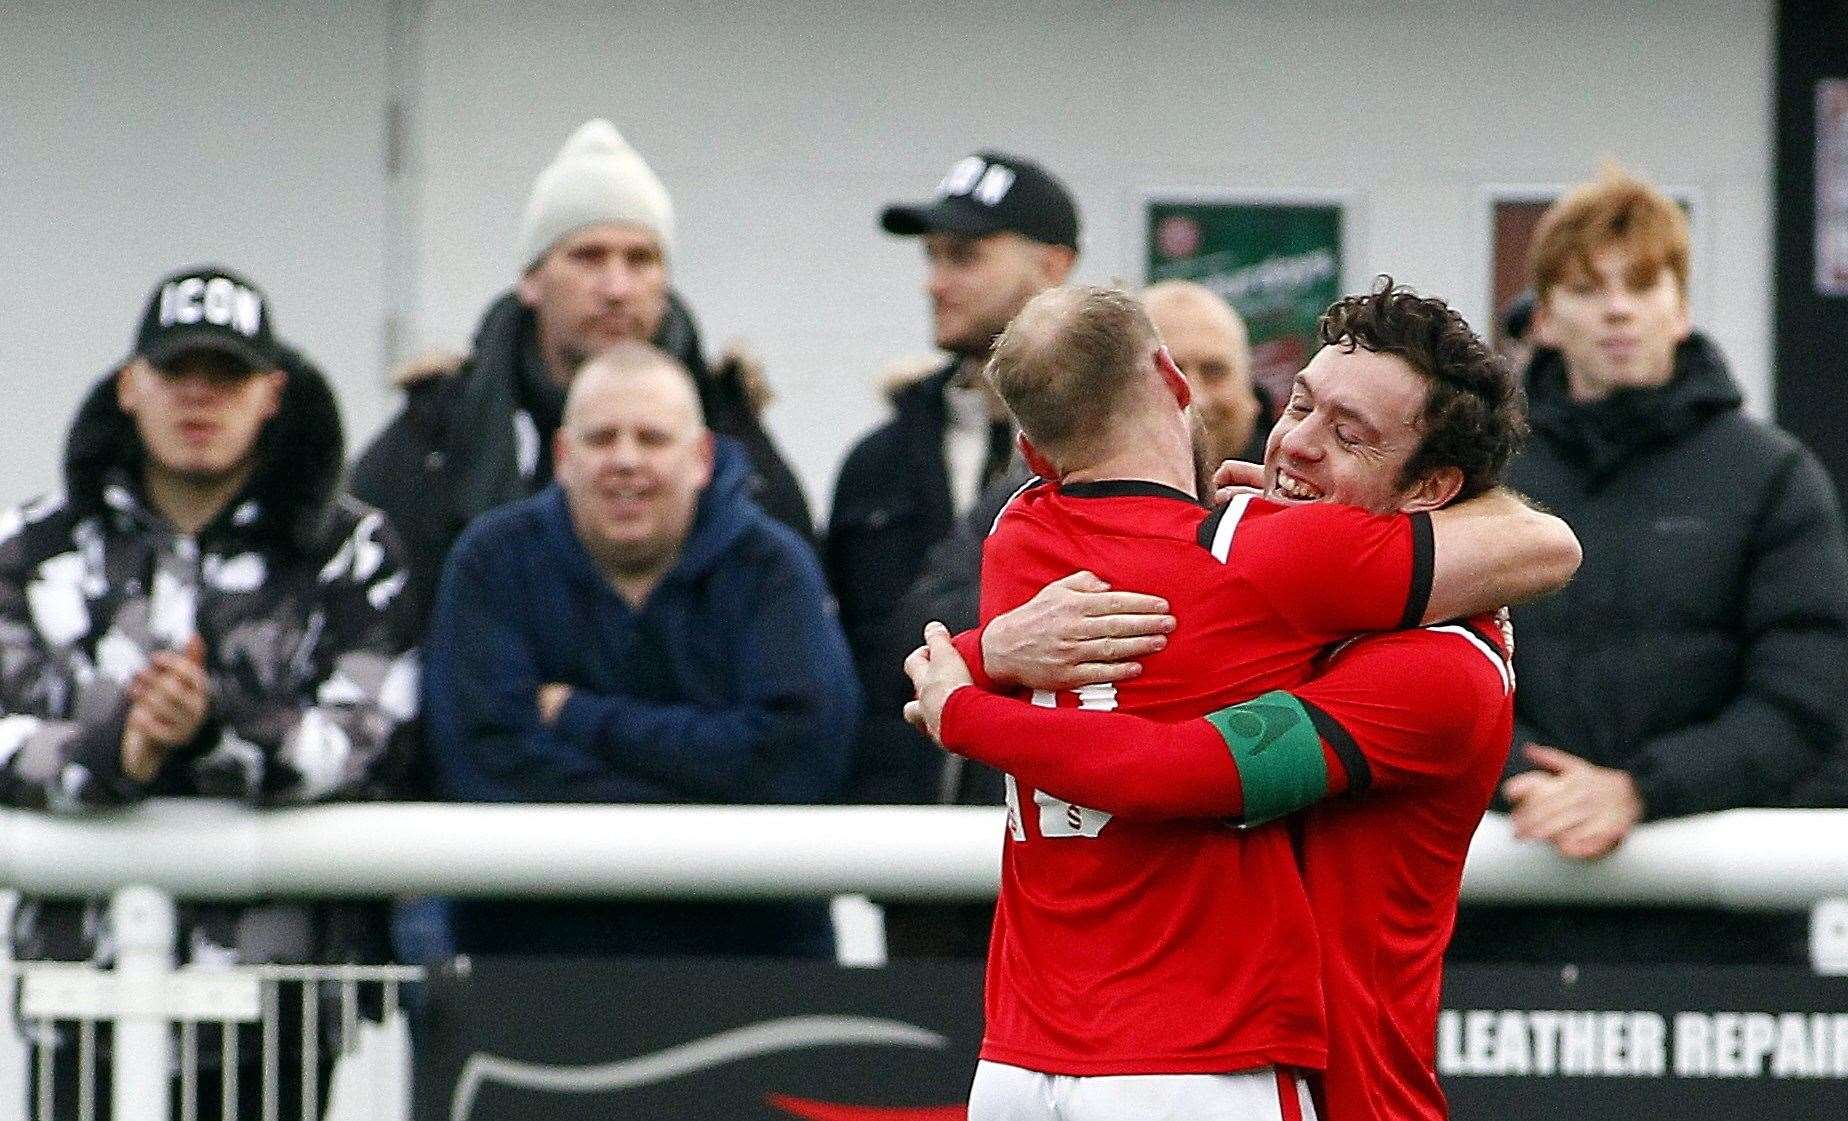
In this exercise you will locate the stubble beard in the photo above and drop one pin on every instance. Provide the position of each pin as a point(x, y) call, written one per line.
point(1205, 463)
point(978, 344)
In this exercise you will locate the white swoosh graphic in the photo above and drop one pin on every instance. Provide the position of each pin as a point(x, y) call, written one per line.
point(766, 1038)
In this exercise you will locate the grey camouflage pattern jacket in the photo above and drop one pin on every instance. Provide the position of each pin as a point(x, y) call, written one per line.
point(293, 589)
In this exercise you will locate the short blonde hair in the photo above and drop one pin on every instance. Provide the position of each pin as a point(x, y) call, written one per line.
point(1065, 363)
point(1616, 208)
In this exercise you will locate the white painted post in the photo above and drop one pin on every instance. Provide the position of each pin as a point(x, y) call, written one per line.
point(15, 1056)
point(1829, 937)
point(143, 921)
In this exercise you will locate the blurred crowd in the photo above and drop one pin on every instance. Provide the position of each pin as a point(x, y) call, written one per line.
point(575, 567)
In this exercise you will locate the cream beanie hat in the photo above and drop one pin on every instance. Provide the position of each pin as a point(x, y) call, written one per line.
point(596, 178)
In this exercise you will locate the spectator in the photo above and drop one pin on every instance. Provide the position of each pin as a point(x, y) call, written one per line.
point(999, 231)
point(639, 631)
point(895, 763)
point(595, 248)
point(1208, 341)
point(1700, 659)
point(200, 614)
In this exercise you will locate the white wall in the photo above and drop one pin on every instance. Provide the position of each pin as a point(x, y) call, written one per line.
point(139, 138)
point(136, 137)
point(781, 129)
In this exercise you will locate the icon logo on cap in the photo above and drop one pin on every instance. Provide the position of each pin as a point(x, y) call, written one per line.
point(220, 301)
point(987, 183)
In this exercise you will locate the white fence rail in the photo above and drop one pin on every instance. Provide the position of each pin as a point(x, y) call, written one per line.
point(1744, 859)
point(146, 857)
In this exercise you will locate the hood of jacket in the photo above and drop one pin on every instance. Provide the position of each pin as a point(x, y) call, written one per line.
point(300, 455)
point(922, 402)
point(725, 511)
point(1601, 435)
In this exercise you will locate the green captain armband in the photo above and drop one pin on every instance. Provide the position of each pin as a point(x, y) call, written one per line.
point(1278, 753)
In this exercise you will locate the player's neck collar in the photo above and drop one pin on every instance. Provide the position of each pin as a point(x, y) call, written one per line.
point(1125, 488)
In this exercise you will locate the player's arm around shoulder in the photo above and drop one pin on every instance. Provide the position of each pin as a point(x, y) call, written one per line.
point(1473, 556)
point(1494, 550)
point(1330, 569)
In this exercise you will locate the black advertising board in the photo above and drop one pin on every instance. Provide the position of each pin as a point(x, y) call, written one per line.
point(740, 1040)
point(1681, 1043)
point(743, 1040)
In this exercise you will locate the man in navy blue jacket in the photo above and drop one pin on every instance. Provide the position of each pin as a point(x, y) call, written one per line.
point(640, 631)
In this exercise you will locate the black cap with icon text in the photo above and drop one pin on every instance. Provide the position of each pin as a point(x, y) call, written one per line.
point(208, 308)
point(992, 192)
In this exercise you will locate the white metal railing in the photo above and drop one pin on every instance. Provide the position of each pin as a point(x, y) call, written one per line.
point(367, 1055)
point(231, 1015)
point(1743, 859)
point(146, 857)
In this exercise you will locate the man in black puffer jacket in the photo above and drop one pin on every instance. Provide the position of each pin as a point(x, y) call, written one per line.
point(596, 237)
point(1700, 660)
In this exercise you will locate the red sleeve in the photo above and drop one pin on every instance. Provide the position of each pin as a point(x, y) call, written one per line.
point(1401, 709)
point(969, 645)
point(1336, 570)
point(1125, 765)
point(1391, 711)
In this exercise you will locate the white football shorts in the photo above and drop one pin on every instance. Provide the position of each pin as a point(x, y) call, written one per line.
point(1010, 1093)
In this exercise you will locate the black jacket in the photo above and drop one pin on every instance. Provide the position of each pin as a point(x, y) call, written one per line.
point(891, 504)
point(467, 442)
point(1703, 646)
point(893, 762)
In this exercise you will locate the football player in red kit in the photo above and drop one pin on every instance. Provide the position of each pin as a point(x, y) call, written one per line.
point(1412, 726)
point(1165, 962)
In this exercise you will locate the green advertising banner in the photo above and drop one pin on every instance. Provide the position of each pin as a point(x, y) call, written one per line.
point(1278, 263)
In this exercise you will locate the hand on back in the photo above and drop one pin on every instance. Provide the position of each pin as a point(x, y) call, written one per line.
point(1076, 631)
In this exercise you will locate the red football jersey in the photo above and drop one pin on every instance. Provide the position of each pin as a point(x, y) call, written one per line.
point(1132, 947)
point(1430, 714)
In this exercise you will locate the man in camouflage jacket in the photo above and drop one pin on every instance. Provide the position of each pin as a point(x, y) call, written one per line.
point(199, 613)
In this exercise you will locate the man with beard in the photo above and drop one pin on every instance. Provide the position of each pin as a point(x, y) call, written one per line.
point(1405, 413)
point(999, 230)
point(596, 243)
